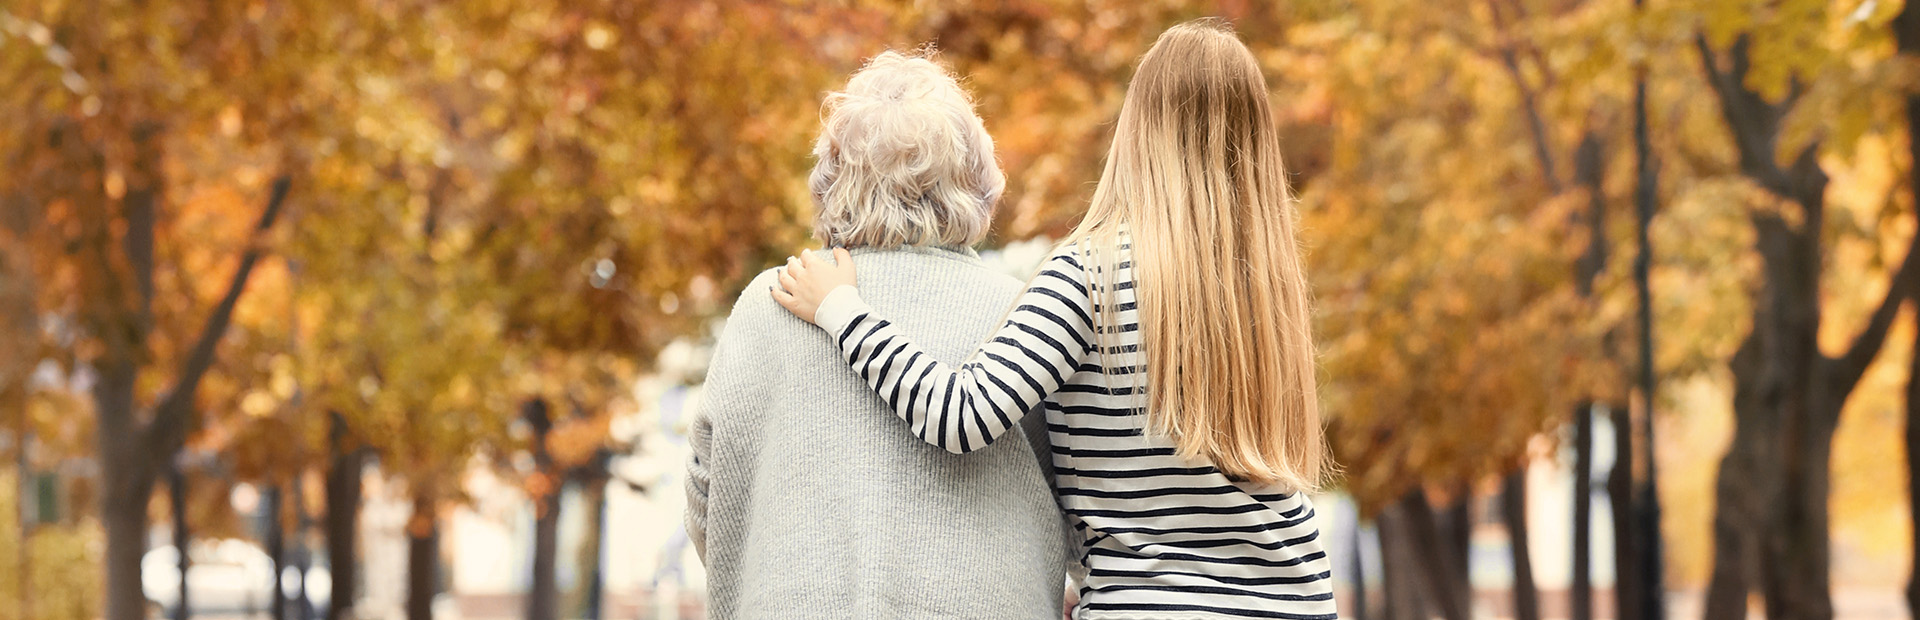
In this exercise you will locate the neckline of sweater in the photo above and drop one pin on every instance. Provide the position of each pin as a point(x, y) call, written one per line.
point(962, 254)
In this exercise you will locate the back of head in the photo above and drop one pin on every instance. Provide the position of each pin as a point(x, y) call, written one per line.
point(1194, 177)
point(903, 160)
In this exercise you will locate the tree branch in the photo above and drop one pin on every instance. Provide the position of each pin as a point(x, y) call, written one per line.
point(105, 317)
point(1727, 88)
point(139, 207)
point(168, 427)
point(1588, 172)
point(1535, 124)
point(1844, 372)
point(1749, 117)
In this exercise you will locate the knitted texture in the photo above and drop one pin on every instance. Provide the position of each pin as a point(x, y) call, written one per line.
point(807, 497)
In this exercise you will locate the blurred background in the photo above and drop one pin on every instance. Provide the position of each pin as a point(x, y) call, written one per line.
point(391, 309)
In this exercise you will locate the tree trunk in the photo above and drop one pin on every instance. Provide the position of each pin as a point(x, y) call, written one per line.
point(124, 490)
point(543, 595)
point(1913, 462)
point(1438, 569)
point(1359, 575)
point(1457, 522)
point(1742, 492)
point(343, 516)
point(1513, 509)
point(19, 318)
point(1907, 32)
point(423, 557)
point(1771, 521)
point(23, 471)
point(131, 453)
point(1770, 528)
point(1646, 179)
point(1589, 172)
point(1580, 591)
point(544, 592)
point(301, 555)
point(182, 539)
point(123, 516)
point(1400, 587)
point(1798, 566)
point(125, 447)
point(593, 546)
point(1626, 603)
point(276, 548)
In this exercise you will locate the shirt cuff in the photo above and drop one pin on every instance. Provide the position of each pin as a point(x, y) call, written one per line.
point(840, 307)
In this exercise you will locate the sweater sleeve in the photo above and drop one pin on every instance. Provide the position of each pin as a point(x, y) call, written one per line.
point(699, 477)
point(1042, 342)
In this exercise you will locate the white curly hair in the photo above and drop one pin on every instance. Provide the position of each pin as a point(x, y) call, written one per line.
point(903, 159)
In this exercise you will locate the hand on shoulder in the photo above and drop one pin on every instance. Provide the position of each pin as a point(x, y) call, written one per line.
point(806, 282)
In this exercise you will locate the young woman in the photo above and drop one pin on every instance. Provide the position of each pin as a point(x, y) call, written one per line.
point(1167, 340)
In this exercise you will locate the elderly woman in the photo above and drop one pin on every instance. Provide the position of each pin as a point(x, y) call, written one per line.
point(805, 498)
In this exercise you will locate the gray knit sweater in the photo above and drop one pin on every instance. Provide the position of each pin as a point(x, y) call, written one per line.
point(807, 498)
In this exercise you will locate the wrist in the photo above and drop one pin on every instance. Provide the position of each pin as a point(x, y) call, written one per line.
point(838, 308)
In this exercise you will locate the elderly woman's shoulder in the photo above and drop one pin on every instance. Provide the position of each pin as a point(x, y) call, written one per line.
point(757, 299)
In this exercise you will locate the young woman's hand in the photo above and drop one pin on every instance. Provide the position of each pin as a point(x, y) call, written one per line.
point(807, 280)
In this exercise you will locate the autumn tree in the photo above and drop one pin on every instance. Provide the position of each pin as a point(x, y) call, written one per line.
point(1445, 227)
point(113, 147)
point(557, 202)
point(95, 135)
point(1786, 100)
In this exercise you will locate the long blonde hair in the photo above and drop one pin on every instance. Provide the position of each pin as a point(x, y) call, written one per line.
point(1194, 178)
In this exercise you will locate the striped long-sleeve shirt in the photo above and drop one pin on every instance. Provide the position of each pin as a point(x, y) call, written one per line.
point(1161, 536)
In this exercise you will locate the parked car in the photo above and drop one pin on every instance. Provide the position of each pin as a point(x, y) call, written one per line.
point(226, 576)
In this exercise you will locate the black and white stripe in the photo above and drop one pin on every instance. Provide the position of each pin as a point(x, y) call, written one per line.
point(1162, 536)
